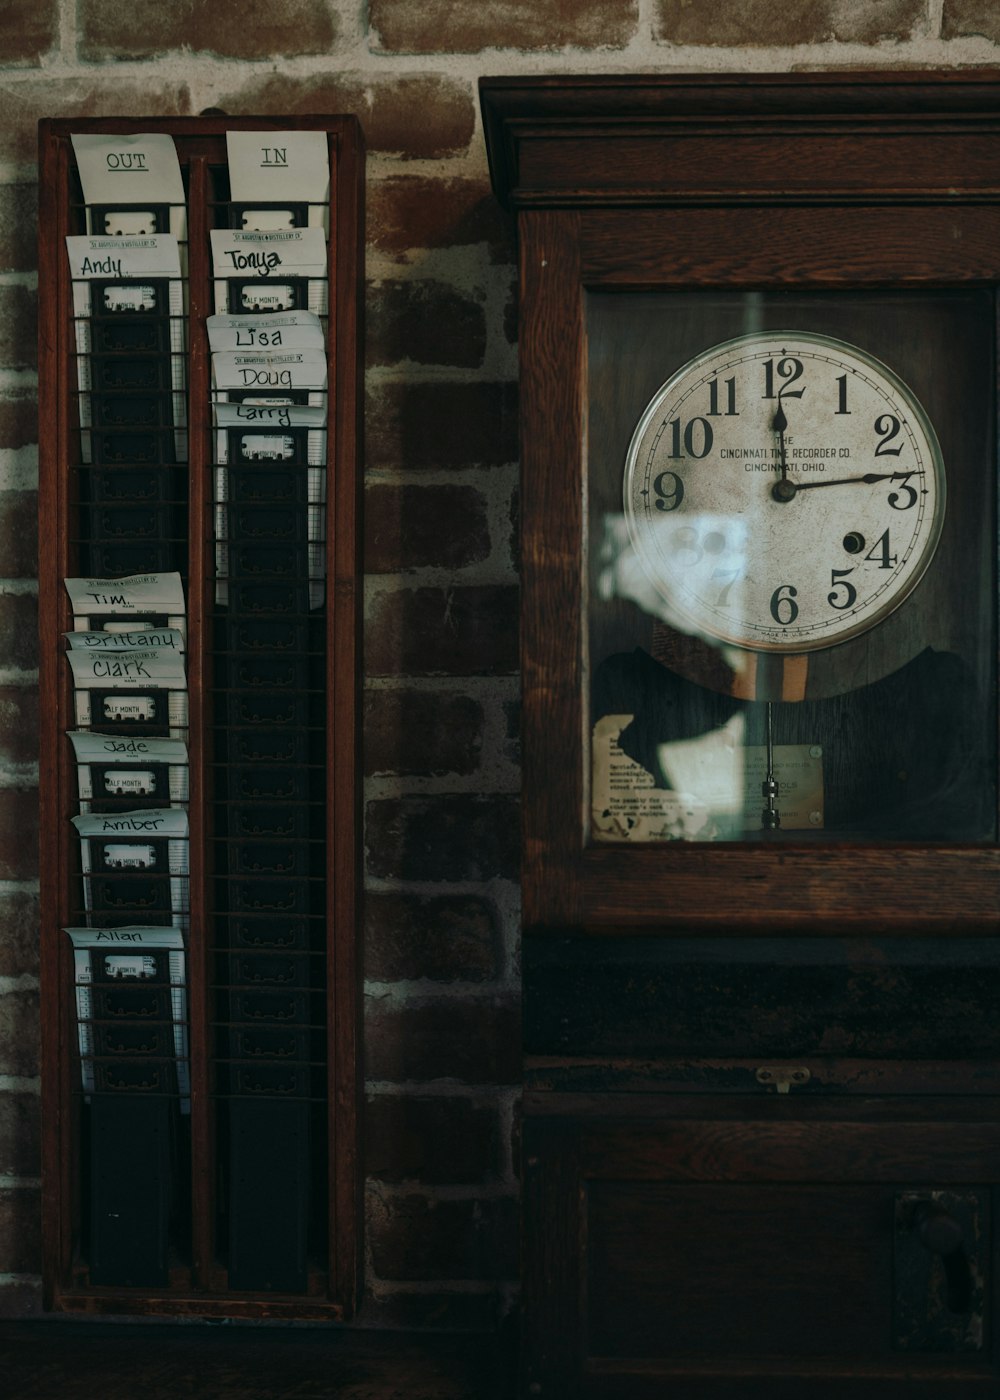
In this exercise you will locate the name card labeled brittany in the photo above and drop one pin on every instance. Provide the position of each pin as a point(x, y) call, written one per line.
point(162, 639)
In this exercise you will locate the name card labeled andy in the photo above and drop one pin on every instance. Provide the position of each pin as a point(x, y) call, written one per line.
point(103, 256)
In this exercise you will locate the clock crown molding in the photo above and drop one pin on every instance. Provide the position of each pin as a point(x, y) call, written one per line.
point(632, 124)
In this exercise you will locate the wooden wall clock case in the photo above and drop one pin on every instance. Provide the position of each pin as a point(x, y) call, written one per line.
point(756, 1067)
point(201, 1275)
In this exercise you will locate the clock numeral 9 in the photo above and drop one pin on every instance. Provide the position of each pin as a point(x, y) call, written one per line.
point(788, 369)
point(697, 436)
point(668, 490)
point(784, 608)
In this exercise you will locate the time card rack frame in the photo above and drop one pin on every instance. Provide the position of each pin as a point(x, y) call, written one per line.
point(200, 1105)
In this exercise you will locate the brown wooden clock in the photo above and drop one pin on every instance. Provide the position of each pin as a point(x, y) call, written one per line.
point(758, 358)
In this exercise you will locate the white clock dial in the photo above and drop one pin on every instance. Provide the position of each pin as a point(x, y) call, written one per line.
point(784, 491)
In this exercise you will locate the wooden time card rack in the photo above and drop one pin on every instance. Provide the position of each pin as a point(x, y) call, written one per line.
point(200, 284)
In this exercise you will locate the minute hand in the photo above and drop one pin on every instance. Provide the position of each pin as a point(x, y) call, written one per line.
point(870, 478)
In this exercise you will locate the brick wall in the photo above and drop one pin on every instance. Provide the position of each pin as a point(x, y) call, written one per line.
point(441, 1008)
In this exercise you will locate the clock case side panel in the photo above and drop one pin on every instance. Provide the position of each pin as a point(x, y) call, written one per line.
point(755, 243)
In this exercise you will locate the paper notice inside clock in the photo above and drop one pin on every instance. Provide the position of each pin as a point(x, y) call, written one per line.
point(714, 791)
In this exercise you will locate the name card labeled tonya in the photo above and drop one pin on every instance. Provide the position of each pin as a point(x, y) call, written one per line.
point(271, 253)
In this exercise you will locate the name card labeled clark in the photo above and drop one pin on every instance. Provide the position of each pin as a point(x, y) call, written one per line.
point(159, 669)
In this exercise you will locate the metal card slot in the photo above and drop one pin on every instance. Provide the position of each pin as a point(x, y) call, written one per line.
point(129, 220)
point(250, 971)
point(130, 967)
point(282, 1082)
point(131, 1004)
point(267, 487)
point(291, 294)
point(134, 449)
point(256, 598)
point(128, 1040)
point(130, 524)
point(133, 896)
point(131, 409)
point(275, 785)
point(270, 933)
point(269, 748)
point(129, 298)
point(121, 336)
point(265, 673)
point(266, 217)
point(131, 855)
point(260, 858)
point(267, 709)
point(259, 561)
point(269, 399)
point(106, 559)
point(270, 896)
point(128, 485)
point(130, 707)
point(115, 780)
point(246, 445)
point(279, 637)
point(271, 524)
point(142, 373)
point(265, 1044)
point(141, 1077)
point(289, 823)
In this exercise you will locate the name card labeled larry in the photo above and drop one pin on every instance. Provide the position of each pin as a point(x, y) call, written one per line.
point(92, 255)
point(297, 252)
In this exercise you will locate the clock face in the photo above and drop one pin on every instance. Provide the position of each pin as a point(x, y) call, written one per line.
point(784, 492)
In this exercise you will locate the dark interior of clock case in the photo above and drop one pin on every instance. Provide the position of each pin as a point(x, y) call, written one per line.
point(889, 736)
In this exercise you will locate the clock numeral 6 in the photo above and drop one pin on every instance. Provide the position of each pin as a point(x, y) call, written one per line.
point(784, 608)
point(668, 490)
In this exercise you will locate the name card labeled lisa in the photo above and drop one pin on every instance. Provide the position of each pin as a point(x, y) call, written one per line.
point(280, 330)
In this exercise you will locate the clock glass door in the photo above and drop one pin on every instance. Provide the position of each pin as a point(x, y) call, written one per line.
point(791, 590)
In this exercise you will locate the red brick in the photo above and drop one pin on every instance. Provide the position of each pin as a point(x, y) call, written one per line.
point(968, 17)
point(751, 23)
point(18, 327)
point(412, 527)
point(475, 1040)
point(19, 944)
point(19, 1029)
point(20, 1231)
point(412, 211)
point(435, 1141)
point(20, 1135)
point(28, 29)
point(467, 26)
point(19, 533)
point(443, 631)
point(18, 724)
point(18, 418)
point(415, 1238)
point(444, 938)
point(18, 630)
point(465, 836)
point(230, 28)
point(23, 103)
point(386, 108)
point(18, 833)
point(421, 732)
point(429, 323)
point(439, 426)
point(18, 228)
